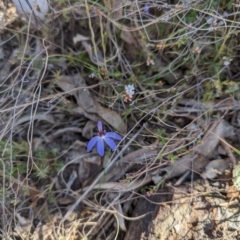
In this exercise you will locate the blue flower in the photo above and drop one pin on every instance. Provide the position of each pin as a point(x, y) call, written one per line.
point(102, 137)
point(147, 8)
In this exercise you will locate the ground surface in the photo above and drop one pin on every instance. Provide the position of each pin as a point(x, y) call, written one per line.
point(164, 75)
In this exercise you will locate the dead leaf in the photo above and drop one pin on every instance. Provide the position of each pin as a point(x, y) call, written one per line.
point(76, 86)
point(88, 168)
point(83, 95)
point(71, 179)
point(66, 84)
point(219, 129)
point(112, 118)
point(185, 163)
point(97, 58)
point(215, 168)
point(39, 116)
point(34, 194)
point(66, 200)
point(87, 131)
point(121, 167)
point(129, 38)
point(81, 111)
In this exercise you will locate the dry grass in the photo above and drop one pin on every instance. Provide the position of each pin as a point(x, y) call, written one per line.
point(57, 81)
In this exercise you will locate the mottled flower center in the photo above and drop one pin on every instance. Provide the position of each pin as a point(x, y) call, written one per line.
point(102, 133)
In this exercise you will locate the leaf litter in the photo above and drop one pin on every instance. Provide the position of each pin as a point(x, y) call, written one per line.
point(180, 127)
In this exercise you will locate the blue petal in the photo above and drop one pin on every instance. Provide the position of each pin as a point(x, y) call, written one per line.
point(113, 135)
point(146, 9)
point(99, 126)
point(110, 143)
point(91, 143)
point(100, 147)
